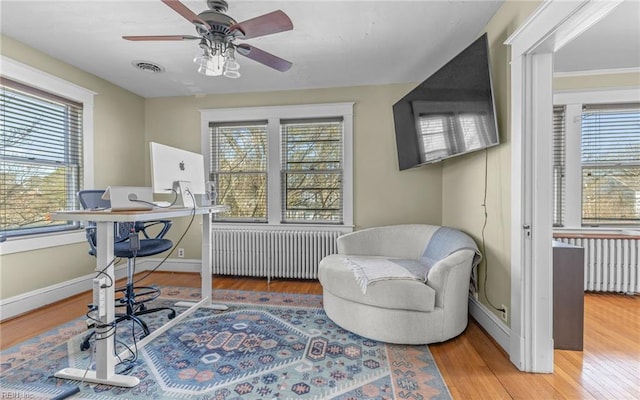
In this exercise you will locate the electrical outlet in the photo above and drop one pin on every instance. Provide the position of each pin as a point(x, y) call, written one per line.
point(180, 252)
point(504, 314)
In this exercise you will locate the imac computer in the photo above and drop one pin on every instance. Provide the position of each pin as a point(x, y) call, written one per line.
point(179, 171)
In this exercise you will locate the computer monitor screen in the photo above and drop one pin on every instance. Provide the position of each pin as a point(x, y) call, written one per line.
point(176, 169)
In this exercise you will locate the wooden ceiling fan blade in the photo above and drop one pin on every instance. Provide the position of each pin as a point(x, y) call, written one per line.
point(187, 13)
point(263, 57)
point(273, 22)
point(160, 37)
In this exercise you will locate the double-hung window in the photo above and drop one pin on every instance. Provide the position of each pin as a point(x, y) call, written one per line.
point(42, 148)
point(597, 164)
point(312, 167)
point(41, 166)
point(282, 165)
point(558, 164)
point(611, 164)
point(238, 168)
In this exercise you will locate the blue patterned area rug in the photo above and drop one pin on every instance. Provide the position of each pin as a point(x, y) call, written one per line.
point(266, 346)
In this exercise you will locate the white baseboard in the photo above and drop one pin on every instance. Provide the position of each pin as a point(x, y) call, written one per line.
point(171, 265)
point(490, 323)
point(20, 304)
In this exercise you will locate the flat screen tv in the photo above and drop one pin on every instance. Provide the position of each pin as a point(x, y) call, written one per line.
point(451, 113)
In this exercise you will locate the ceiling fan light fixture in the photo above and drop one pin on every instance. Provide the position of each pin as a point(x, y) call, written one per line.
point(233, 74)
point(231, 66)
point(214, 67)
point(216, 63)
point(217, 59)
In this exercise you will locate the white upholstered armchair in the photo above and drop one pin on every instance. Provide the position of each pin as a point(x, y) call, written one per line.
point(400, 284)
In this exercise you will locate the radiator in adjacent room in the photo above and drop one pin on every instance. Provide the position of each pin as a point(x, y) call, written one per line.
point(612, 262)
point(271, 253)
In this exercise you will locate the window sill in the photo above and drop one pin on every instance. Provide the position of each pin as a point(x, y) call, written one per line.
point(631, 232)
point(284, 227)
point(43, 241)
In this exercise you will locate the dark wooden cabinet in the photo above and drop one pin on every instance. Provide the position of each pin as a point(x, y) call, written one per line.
point(568, 296)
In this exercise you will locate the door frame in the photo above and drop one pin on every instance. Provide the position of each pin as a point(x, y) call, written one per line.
point(554, 24)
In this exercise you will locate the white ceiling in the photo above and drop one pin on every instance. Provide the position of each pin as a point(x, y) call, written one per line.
point(611, 43)
point(334, 43)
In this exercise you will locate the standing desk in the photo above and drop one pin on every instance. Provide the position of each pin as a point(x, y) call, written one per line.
point(105, 358)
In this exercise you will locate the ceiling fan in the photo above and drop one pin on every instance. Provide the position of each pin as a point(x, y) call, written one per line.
point(218, 32)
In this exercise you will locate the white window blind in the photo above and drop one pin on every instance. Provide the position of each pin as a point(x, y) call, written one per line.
point(611, 164)
point(42, 161)
point(291, 167)
point(559, 162)
point(312, 169)
point(239, 169)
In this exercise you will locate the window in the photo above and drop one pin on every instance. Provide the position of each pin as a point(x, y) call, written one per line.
point(46, 129)
point(282, 165)
point(611, 164)
point(41, 158)
point(558, 164)
point(597, 155)
point(311, 177)
point(239, 169)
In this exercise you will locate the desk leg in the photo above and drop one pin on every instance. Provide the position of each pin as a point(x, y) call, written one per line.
point(105, 348)
point(206, 279)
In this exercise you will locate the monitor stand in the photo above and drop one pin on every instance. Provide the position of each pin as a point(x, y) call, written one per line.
point(185, 195)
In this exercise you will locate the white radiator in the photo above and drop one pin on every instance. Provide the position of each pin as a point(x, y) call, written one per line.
point(271, 253)
point(610, 264)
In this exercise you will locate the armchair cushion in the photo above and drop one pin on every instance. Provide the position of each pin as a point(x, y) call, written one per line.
point(411, 294)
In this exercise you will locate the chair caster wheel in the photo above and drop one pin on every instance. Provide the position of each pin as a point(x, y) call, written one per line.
point(172, 314)
point(84, 345)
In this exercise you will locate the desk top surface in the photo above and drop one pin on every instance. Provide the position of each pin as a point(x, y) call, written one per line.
point(132, 216)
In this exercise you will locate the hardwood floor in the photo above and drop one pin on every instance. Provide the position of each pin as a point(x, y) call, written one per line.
point(473, 366)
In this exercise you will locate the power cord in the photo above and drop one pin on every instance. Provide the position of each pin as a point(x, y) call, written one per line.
point(86, 371)
point(484, 226)
point(173, 202)
point(102, 272)
point(175, 246)
point(130, 362)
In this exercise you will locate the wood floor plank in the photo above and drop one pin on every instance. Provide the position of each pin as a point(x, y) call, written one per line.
point(473, 365)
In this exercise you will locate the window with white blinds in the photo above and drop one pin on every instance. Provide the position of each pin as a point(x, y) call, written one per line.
point(311, 175)
point(42, 160)
point(239, 156)
point(610, 164)
point(559, 160)
point(282, 165)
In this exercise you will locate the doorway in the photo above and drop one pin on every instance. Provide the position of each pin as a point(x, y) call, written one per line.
point(552, 26)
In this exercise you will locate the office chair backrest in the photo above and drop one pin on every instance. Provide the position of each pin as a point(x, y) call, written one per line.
point(92, 199)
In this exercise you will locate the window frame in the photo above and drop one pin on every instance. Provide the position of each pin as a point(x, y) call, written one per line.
point(219, 174)
point(287, 169)
point(273, 115)
point(40, 80)
point(574, 100)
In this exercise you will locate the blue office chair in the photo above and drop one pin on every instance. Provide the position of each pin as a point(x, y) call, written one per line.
point(132, 298)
